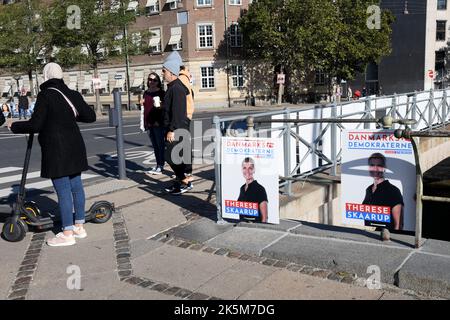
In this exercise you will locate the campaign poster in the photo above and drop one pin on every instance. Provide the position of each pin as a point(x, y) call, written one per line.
point(250, 179)
point(378, 180)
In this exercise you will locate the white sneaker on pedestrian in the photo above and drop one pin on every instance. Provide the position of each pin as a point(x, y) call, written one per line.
point(61, 240)
point(79, 232)
point(155, 171)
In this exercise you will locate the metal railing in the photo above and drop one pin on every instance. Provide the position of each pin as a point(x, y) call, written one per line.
point(312, 144)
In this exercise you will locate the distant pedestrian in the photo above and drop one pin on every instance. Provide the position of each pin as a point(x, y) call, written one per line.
point(177, 123)
point(6, 113)
point(364, 92)
point(153, 119)
point(349, 93)
point(23, 104)
point(186, 78)
point(63, 150)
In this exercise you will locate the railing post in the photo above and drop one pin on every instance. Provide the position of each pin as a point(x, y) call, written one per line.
point(334, 141)
point(430, 109)
point(250, 126)
point(394, 107)
point(217, 168)
point(414, 111)
point(419, 193)
point(367, 112)
point(444, 107)
point(287, 152)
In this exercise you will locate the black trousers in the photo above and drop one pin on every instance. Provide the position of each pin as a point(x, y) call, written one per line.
point(178, 155)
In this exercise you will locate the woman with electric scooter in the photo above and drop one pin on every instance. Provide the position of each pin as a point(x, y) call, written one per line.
point(55, 117)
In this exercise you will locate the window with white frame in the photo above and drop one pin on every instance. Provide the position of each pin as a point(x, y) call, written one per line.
point(235, 36)
point(155, 40)
point(204, 3)
point(237, 76)
point(207, 77)
point(175, 38)
point(205, 35)
point(133, 6)
point(235, 2)
point(152, 7)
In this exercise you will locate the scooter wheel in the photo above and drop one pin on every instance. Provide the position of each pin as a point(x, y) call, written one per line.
point(14, 231)
point(101, 212)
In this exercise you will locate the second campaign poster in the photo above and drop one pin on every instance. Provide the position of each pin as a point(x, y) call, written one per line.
point(250, 179)
point(378, 180)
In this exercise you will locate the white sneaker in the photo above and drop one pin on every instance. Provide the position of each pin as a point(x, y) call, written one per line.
point(155, 170)
point(79, 232)
point(61, 240)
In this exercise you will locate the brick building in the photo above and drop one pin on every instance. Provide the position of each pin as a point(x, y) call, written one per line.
point(196, 28)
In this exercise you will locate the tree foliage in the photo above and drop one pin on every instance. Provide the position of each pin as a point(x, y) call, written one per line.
point(96, 39)
point(308, 35)
point(23, 41)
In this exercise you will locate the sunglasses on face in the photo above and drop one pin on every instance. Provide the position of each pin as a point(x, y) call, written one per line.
point(152, 79)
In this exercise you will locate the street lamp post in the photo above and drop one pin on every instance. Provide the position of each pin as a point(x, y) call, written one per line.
point(17, 78)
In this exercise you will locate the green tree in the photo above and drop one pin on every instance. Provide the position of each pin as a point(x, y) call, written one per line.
point(23, 40)
point(96, 40)
point(308, 35)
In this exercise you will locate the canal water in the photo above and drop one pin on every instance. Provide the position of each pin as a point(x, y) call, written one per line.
point(436, 215)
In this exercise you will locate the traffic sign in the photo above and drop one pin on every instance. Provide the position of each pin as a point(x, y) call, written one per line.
point(430, 74)
point(118, 76)
point(96, 82)
point(280, 78)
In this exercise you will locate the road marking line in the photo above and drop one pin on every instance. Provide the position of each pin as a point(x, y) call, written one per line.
point(9, 169)
point(113, 136)
point(39, 185)
point(17, 177)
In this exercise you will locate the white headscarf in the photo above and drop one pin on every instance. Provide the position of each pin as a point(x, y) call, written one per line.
point(52, 71)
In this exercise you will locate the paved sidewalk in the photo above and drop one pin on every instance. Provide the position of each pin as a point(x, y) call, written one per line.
point(159, 246)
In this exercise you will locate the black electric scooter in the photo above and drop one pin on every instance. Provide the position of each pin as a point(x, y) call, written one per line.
point(27, 214)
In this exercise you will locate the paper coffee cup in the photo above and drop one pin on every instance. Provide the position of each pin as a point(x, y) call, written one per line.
point(156, 102)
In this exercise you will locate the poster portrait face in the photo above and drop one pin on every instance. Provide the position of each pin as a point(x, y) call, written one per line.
point(249, 182)
point(378, 180)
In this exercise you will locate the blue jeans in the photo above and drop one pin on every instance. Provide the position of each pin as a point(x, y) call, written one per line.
point(70, 196)
point(157, 137)
point(22, 112)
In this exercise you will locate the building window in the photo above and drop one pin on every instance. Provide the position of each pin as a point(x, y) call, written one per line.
point(442, 4)
point(155, 40)
point(440, 30)
point(204, 3)
point(133, 6)
point(152, 7)
point(235, 36)
point(175, 38)
point(207, 77)
point(205, 36)
point(439, 65)
point(235, 2)
point(237, 76)
point(172, 4)
point(182, 17)
point(320, 78)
